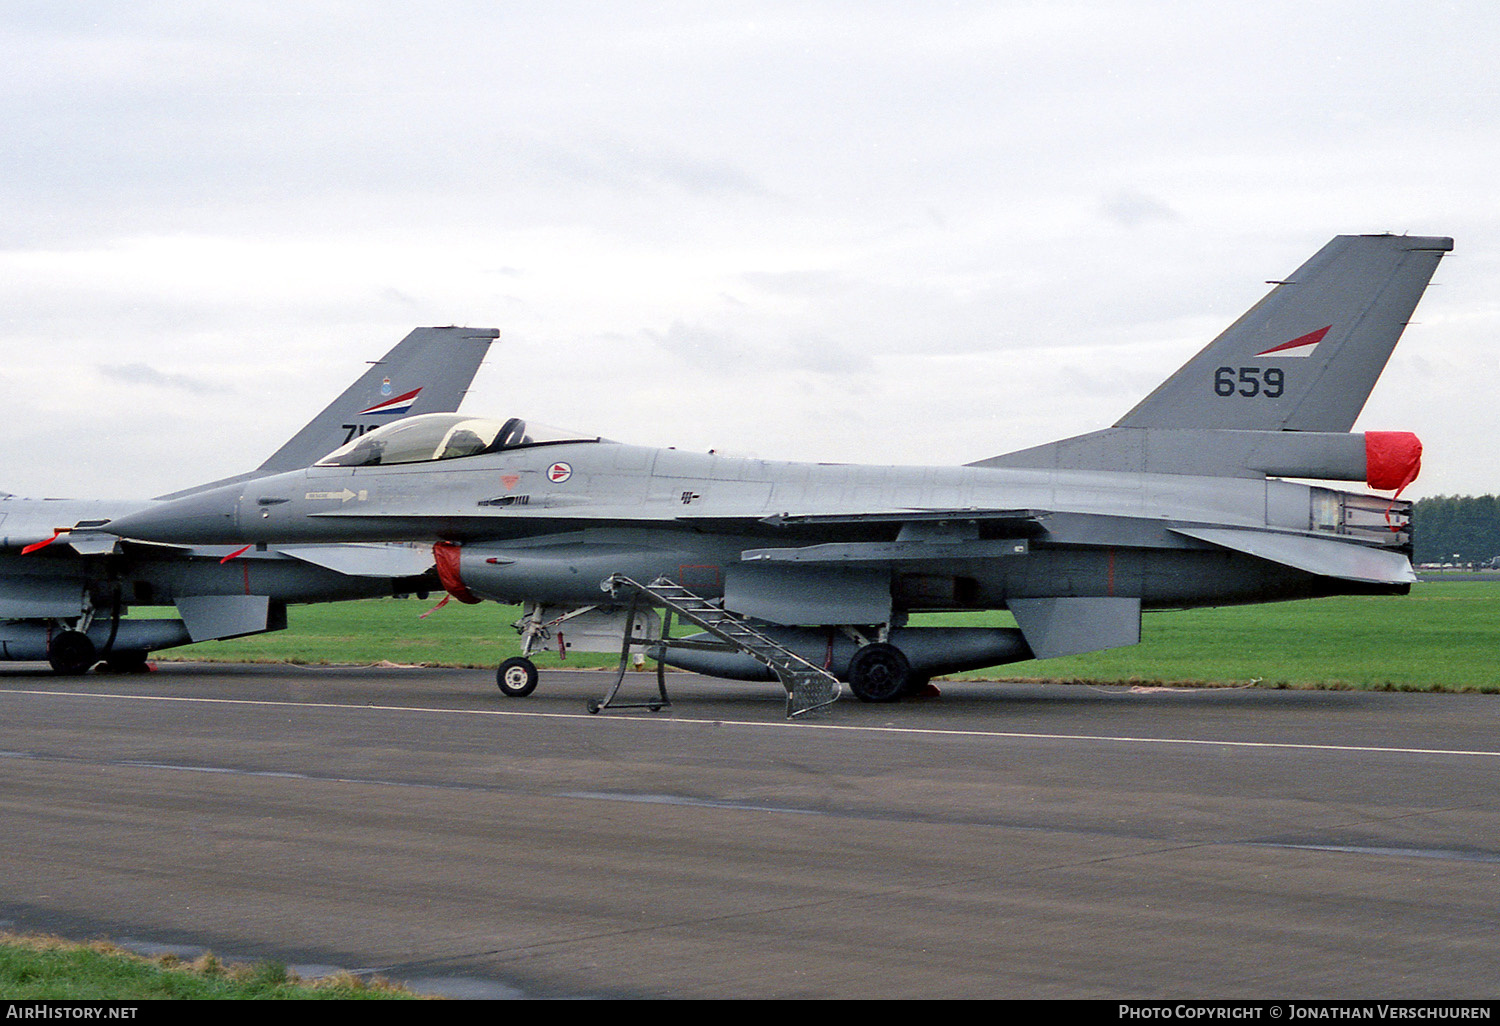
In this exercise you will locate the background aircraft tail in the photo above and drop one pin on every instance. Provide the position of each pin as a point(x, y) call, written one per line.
point(427, 372)
point(1278, 391)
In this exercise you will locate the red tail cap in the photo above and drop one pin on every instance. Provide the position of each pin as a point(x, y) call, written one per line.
point(1393, 459)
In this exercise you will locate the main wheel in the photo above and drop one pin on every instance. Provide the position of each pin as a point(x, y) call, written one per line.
point(878, 673)
point(71, 653)
point(918, 686)
point(516, 678)
point(130, 661)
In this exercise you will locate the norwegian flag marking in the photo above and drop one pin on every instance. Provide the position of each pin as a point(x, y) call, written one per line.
point(400, 404)
point(1301, 346)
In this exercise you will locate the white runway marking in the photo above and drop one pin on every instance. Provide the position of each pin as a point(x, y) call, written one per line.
point(1404, 853)
point(928, 732)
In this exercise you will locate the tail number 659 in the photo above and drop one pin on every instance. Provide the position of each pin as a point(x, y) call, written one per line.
point(1248, 381)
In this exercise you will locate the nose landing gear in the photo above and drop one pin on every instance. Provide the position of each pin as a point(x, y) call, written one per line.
point(516, 677)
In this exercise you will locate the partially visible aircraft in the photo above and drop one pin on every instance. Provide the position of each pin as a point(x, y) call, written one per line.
point(807, 573)
point(65, 585)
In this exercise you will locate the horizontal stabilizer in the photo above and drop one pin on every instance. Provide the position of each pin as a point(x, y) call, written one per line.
point(1325, 557)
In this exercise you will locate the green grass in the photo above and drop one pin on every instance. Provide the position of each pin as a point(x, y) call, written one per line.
point(47, 968)
point(389, 630)
point(1444, 636)
point(1441, 637)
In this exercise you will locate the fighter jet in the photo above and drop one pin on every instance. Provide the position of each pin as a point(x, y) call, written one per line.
point(65, 586)
point(807, 573)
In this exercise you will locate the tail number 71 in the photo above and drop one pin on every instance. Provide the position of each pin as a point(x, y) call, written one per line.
point(1248, 381)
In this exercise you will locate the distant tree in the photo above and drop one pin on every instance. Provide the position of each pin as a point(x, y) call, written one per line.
point(1463, 526)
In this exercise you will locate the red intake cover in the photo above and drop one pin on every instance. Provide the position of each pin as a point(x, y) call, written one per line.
point(1393, 459)
point(446, 554)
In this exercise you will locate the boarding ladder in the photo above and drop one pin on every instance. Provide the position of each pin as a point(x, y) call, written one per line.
point(807, 686)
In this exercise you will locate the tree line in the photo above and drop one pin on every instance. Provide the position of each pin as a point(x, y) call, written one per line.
point(1456, 529)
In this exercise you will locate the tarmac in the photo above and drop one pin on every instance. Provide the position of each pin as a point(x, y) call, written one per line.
point(999, 841)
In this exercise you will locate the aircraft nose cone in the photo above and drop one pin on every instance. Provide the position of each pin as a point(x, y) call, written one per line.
point(210, 517)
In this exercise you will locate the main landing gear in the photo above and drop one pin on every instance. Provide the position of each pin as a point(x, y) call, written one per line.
point(70, 653)
point(877, 671)
point(880, 672)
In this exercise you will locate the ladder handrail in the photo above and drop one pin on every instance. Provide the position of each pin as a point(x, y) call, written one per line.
point(799, 677)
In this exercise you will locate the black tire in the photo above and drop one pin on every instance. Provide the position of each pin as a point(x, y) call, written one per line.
point(516, 678)
point(71, 653)
point(126, 662)
point(878, 673)
point(915, 684)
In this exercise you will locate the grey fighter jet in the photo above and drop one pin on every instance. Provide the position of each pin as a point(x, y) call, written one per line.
point(806, 573)
point(65, 585)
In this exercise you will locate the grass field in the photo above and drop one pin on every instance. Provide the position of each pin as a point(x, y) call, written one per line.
point(1444, 636)
point(49, 968)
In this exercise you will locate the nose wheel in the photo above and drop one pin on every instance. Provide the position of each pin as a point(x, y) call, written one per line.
point(516, 677)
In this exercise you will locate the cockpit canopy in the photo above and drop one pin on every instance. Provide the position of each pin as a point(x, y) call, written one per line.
point(440, 436)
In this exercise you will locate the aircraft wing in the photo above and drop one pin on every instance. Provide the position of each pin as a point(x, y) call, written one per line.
point(520, 521)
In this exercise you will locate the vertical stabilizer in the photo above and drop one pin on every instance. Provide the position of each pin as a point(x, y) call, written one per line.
point(427, 372)
point(1306, 357)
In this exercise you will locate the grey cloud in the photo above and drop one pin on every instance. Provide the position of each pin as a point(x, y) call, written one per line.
point(798, 283)
point(726, 351)
point(143, 374)
point(703, 346)
point(1133, 209)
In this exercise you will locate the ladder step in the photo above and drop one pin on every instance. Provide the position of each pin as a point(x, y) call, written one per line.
point(808, 687)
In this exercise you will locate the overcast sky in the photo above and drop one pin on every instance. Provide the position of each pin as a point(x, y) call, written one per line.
point(875, 232)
